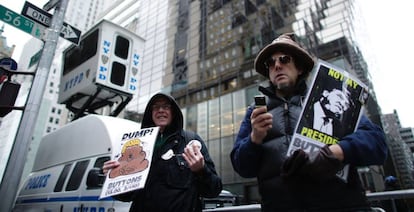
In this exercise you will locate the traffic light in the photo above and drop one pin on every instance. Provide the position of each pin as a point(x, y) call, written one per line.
point(8, 94)
point(8, 90)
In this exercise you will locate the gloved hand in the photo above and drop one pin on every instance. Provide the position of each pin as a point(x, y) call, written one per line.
point(318, 164)
point(294, 163)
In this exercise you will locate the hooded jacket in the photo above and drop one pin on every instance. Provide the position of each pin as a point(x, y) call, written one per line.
point(171, 185)
point(364, 147)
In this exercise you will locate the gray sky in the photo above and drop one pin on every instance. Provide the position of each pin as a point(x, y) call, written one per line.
point(391, 36)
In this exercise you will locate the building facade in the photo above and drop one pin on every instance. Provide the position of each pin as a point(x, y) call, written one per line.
point(399, 151)
point(5, 49)
point(407, 134)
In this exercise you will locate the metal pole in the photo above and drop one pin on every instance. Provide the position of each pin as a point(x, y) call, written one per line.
point(17, 159)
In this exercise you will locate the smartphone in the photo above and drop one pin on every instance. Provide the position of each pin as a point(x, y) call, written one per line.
point(260, 101)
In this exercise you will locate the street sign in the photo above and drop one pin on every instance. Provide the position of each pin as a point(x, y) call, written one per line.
point(21, 22)
point(35, 58)
point(40, 16)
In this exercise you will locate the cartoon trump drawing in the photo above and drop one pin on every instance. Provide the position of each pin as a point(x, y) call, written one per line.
point(132, 159)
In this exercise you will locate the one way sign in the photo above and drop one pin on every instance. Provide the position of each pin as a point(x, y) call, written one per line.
point(42, 17)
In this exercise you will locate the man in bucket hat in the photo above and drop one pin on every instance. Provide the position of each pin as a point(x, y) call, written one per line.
point(302, 182)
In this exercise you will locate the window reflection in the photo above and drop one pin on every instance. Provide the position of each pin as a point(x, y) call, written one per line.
point(218, 121)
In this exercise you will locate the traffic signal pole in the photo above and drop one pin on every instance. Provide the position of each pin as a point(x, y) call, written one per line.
point(15, 165)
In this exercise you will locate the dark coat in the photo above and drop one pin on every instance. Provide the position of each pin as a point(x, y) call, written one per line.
point(171, 185)
point(364, 147)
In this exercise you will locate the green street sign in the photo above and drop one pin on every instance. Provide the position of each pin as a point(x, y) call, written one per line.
point(21, 22)
point(35, 58)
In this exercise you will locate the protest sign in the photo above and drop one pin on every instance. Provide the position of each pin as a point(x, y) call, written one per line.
point(332, 109)
point(134, 154)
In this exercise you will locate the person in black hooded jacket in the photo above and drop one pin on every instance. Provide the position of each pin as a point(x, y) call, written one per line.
point(181, 170)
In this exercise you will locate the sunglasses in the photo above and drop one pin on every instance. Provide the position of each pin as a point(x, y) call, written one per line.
point(284, 59)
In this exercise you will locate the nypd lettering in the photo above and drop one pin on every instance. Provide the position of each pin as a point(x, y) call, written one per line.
point(71, 83)
point(103, 69)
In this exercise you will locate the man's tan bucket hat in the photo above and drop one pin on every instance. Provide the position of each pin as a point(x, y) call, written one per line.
point(284, 43)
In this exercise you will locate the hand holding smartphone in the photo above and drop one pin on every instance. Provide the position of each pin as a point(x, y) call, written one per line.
point(260, 101)
point(261, 121)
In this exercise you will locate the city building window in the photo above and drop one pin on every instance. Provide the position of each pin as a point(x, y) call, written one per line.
point(226, 111)
point(213, 119)
point(202, 119)
point(226, 169)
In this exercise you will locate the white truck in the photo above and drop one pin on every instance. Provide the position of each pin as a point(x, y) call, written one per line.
point(66, 174)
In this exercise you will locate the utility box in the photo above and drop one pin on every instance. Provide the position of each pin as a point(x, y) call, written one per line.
point(103, 69)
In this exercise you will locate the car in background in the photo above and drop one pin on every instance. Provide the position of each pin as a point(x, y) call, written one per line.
point(225, 199)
